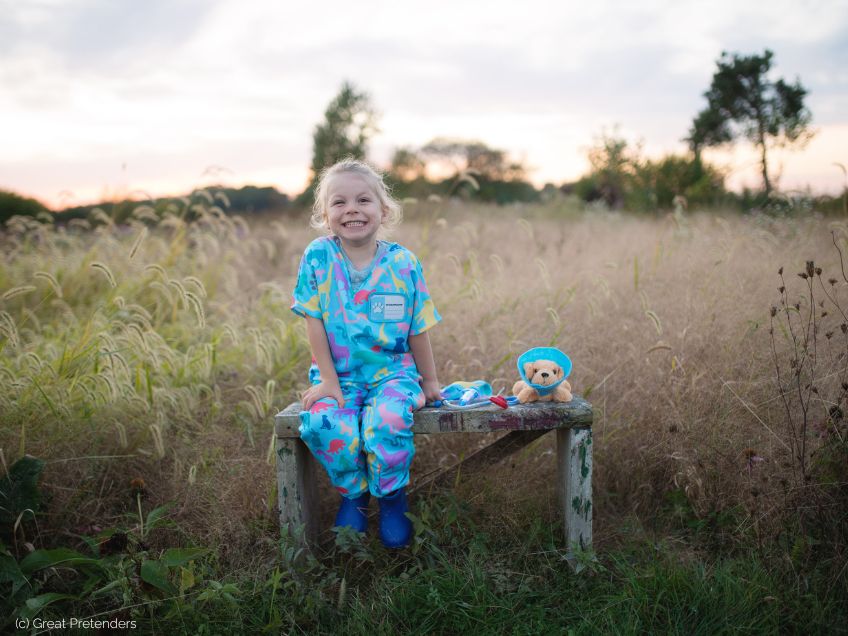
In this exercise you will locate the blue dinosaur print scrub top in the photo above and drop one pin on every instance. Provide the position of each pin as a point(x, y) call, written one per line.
point(368, 325)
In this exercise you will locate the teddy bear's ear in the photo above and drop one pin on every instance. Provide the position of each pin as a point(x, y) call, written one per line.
point(529, 370)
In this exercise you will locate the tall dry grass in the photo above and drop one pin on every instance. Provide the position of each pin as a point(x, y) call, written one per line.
point(162, 349)
point(667, 322)
point(156, 349)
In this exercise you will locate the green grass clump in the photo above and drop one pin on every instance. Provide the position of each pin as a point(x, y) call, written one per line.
point(457, 578)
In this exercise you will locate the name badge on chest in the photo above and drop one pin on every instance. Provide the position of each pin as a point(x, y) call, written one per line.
point(386, 307)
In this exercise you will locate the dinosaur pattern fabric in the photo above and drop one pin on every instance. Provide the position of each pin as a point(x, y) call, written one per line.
point(367, 445)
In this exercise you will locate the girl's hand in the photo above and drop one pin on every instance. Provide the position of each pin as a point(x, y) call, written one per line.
point(432, 390)
point(323, 389)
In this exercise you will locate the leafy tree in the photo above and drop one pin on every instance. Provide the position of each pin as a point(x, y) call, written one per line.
point(622, 178)
point(464, 155)
point(613, 168)
point(743, 102)
point(349, 122)
point(659, 182)
point(253, 199)
point(12, 204)
point(407, 165)
point(476, 171)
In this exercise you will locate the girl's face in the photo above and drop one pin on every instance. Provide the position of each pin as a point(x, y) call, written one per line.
point(354, 212)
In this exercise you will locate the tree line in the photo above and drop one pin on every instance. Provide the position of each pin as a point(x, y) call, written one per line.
point(743, 102)
point(246, 200)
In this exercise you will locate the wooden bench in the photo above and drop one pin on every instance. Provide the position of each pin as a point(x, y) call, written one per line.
point(296, 492)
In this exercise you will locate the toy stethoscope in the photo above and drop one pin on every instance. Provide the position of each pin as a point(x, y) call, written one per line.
point(467, 395)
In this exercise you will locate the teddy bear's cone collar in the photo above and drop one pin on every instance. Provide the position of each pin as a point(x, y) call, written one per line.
point(544, 353)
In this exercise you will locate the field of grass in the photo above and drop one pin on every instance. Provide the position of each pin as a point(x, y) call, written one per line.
point(142, 364)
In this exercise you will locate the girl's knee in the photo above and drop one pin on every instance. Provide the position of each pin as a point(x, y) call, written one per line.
point(332, 435)
point(394, 403)
point(329, 419)
point(413, 395)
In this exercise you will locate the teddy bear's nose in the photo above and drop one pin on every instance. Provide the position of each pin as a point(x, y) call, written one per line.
point(544, 375)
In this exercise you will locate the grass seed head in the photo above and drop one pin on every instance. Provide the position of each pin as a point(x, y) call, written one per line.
point(101, 267)
point(18, 291)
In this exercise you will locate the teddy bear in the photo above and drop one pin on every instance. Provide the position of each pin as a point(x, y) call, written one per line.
point(543, 373)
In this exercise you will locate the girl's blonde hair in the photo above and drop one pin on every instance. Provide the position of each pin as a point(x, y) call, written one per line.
point(373, 178)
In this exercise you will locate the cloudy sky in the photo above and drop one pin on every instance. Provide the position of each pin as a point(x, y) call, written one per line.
point(103, 98)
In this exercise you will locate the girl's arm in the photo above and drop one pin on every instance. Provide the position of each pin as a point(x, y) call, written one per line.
point(329, 386)
point(422, 353)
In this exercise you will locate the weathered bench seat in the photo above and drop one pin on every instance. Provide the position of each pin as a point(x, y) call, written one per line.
point(298, 501)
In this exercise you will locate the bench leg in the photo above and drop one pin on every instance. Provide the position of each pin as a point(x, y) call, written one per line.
point(296, 493)
point(574, 469)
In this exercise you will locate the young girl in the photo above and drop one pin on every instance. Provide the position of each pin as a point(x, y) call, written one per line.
point(367, 313)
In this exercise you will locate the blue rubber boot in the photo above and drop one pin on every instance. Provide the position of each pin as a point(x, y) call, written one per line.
point(354, 512)
point(395, 527)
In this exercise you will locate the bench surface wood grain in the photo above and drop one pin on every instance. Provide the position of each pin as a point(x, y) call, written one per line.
point(572, 421)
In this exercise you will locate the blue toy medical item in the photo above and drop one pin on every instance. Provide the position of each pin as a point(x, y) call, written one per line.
point(464, 394)
point(458, 390)
point(544, 353)
point(469, 396)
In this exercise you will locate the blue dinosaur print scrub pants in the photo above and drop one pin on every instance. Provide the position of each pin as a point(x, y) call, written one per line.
point(368, 445)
